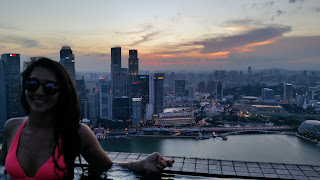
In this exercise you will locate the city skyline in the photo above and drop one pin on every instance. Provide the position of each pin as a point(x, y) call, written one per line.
point(169, 35)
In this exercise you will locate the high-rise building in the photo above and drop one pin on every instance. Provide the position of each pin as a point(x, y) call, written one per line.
point(136, 111)
point(121, 108)
point(202, 87)
point(133, 62)
point(115, 70)
point(158, 88)
point(250, 77)
point(139, 89)
point(219, 91)
point(93, 104)
point(84, 104)
point(288, 91)
point(104, 98)
point(10, 86)
point(180, 88)
point(211, 87)
point(267, 94)
point(67, 60)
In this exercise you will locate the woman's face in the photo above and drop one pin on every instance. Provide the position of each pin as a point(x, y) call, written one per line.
point(39, 99)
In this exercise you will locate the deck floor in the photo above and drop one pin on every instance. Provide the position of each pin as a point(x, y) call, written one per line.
point(229, 169)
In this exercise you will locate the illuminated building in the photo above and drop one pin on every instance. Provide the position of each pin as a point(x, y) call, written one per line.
point(174, 119)
point(67, 60)
point(310, 129)
point(288, 90)
point(158, 88)
point(133, 62)
point(136, 111)
point(10, 86)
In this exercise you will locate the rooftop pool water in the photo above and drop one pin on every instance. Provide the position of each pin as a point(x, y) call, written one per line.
point(119, 173)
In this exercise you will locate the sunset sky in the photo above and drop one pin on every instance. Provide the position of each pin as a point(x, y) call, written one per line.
point(168, 34)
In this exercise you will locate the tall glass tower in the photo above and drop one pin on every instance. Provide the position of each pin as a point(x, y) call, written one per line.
point(67, 60)
point(10, 87)
point(133, 62)
point(115, 71)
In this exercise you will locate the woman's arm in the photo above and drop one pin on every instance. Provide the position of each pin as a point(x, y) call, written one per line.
point(97, 158)
point(91, 150)
point(154, 163)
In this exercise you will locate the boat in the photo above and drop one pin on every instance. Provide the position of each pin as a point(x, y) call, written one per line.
point(224, 138)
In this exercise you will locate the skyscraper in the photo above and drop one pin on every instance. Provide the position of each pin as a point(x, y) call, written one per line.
point(10, 86)
point(136, 111)
point(288, 90)
point(67, 60)
point(115, 71)
point(219, 91)
point(267, 94)
point(158, 88)
point(180, 88)
point(140, 89)
point(104, 99)
point(133, 62)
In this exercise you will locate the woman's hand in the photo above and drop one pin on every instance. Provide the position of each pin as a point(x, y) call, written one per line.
point(154, 163)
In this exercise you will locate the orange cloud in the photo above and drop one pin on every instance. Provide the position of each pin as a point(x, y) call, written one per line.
point(248, 47)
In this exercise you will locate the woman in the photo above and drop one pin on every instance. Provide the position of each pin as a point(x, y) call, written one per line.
point(44, 144)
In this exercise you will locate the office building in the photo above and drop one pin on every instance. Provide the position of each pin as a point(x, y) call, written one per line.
point(93, 104)
point(10, 87)
point(219, 91)
point(84, 105)
point(115, 71)
point(202, 87)
point(267, 94)
point(133, 62)
point(105, 99)
point(180, 88)
point(121, 108)
point(211, 87)
point(67, 60)
point(158, 88)
point(136, 111)
point(287, 94)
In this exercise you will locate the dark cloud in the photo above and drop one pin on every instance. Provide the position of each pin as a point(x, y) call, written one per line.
point(22, 41)
point(145, 38)
point(280, 12)
point(317, 9)
point(213, 45)
point(294, 1)
point(262, 5)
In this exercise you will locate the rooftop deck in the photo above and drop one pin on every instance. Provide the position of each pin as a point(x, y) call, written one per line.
point(229, 169)
point(195, 168)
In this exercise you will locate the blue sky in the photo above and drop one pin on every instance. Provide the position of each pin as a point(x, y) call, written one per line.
point(168, 34)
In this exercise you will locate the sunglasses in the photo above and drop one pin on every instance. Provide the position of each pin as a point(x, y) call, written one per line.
point(50, 88)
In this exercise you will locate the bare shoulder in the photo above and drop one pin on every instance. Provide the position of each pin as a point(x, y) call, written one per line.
point(13, 124)
point(84, 130)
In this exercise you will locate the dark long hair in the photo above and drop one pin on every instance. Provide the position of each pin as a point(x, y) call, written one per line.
point(67, 116)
